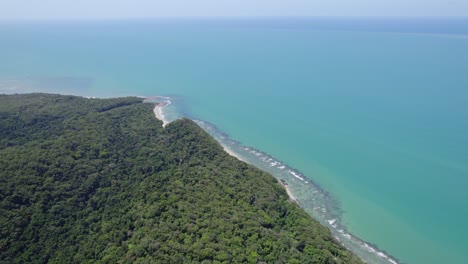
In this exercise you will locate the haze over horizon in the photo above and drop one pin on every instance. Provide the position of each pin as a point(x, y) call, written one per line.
point(144, 9)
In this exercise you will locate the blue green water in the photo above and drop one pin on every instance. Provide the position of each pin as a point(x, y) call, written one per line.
point(372, 114)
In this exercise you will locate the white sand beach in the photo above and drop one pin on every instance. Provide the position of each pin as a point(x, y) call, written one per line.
point(158, 112)
point(228, 151)
point(291, 196)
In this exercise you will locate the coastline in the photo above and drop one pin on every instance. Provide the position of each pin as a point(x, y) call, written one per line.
point(291, 196)
point(362, 139)
point(160, 102)
point(319, 204)
point(282, 183)
point(159, 114)
point(285, 186)
point(289, 175)
point(230, 152)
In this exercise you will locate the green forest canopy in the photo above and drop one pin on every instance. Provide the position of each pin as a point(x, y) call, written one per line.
point(100, 181)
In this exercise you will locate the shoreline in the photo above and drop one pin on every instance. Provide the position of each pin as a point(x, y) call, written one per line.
point(159, 113)
point(364, 250)
point(354, 243)
point(291, 196)
point(284, 184)
point(323, 204)
point(338, 232)
point(159, 103)
point(230, 152)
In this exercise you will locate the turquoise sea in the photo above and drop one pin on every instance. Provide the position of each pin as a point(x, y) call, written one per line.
point(365, 119)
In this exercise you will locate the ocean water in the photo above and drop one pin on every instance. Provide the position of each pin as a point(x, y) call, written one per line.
point(365, 119)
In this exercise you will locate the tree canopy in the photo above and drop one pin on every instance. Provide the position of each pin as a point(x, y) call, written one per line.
point(101, 181)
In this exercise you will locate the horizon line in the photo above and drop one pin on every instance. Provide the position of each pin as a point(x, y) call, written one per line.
point(96, 19)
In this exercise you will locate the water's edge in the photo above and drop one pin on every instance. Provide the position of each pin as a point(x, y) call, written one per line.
point(309, 195)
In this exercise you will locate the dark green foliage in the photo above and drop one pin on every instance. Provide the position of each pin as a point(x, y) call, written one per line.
point(94, 180)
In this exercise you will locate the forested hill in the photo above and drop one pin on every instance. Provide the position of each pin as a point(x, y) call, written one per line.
point(100, 181)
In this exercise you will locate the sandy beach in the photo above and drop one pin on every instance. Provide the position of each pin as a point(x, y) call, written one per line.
point(159, 113)
point(232, 153)
point(291, 196)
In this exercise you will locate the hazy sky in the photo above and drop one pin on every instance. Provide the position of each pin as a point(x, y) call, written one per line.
point(103, 9)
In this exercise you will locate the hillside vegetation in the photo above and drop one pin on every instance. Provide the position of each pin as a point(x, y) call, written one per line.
point(100, 181)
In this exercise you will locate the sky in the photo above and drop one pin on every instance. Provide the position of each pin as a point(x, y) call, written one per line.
point(123, 9)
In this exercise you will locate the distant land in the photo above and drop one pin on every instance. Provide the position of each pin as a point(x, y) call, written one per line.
point(102, 181)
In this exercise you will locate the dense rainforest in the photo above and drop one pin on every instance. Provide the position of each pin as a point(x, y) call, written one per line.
point(101, 181)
